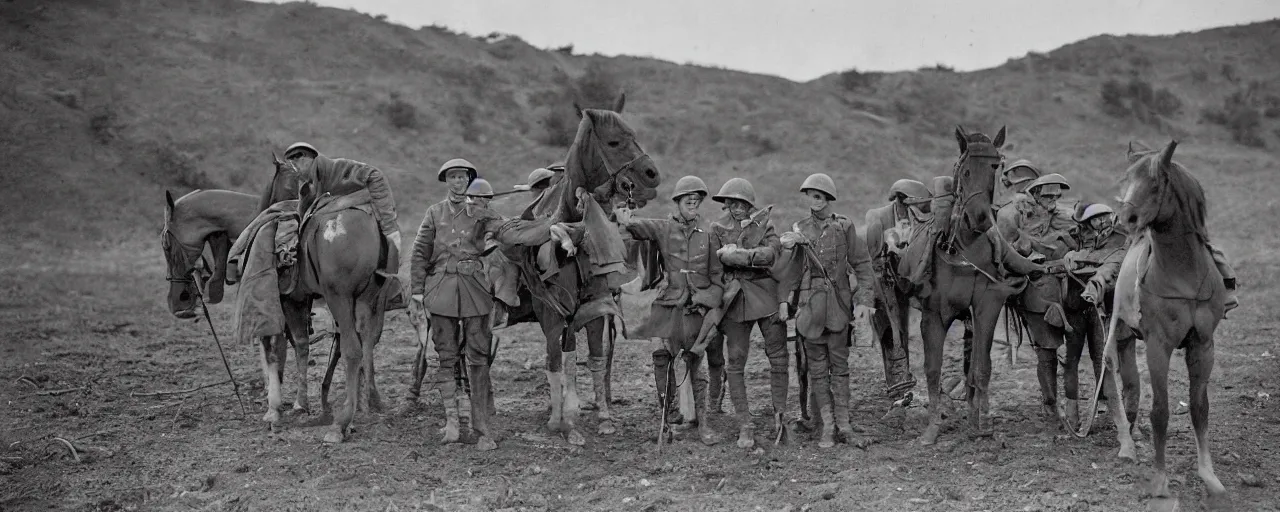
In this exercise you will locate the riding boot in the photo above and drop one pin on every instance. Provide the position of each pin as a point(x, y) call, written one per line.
point(448, 391)
point(707, 434)
point(820, 383)
point(598, 382)
point(738, 395)
point(840, 409)
point(1047, 372)
point(485, 438)
point(717, 376)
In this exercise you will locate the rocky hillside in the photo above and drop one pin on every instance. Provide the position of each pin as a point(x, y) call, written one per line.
point(107, 103)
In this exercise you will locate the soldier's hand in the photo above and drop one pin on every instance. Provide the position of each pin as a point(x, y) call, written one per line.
point(790, 239)
point(623, 215)
point(783, 311)
point(560, 234)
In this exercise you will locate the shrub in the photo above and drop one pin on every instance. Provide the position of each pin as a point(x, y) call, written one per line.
point(853, 80)
point(178, 167)
point(1239, 116)
point(597, 87)
point(402, 114)
point(466, 113)
point(1139, 100)
point(566, 49)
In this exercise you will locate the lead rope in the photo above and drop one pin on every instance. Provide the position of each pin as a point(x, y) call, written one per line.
point(235, 385)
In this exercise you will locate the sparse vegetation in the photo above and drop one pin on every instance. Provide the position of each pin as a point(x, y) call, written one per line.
point(857, 81)
point(178, 167)
point(103, 126)
point(1139, 100)
point(402, 114)
point(566, 49)
point(1241, 114)
point(466, 114)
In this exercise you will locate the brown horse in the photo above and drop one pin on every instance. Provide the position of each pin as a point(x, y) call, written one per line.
point(1170, 293)
point(214, 218)
point(605, 160)
point(964, 257)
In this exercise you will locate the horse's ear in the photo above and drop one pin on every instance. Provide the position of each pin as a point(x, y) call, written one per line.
point(275, 159)
point(1166, 155)
point(620, 102)
point(999, 137)
point(962, 139)
point(577, 108)
point(1136, 151)
point(168, 200)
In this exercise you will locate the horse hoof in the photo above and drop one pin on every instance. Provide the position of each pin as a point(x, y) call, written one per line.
point(1218, 501)
point(590, 406)
point(333, 438)
point(485, 443)
point(710, 438)
point(826, 443)
point(272, 416)
point(929, 437)
point(606, 428)
point(451, 434)
point(1128, 453)
point(300, 411)
point(1163, 504)
point(575, 438)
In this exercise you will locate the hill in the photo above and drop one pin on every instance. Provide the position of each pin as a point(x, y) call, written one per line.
point(113, 101)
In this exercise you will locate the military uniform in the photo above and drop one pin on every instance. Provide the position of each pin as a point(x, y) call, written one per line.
point(826, 302)
point(898, 216)
point(693, 285)
point(748, 249)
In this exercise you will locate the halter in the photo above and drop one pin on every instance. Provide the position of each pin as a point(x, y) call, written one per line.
point(186, 257)
point(964, 196)
point(613, 173)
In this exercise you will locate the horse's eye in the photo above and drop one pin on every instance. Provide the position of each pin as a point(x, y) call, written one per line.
point(995, 167)
point(613, 143)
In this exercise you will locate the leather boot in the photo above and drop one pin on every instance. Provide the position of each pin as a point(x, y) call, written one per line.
point(840, 409)
point(778, 383)
point(480, 408)
point(717, 376)
point(738, 394)
point(820, 384)
point(707, 434)
point(448, 392)
point(1047, 373)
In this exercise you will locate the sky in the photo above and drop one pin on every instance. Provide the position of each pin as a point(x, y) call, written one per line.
point(804, 39)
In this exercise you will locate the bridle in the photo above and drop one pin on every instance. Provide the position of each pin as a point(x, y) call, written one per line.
point(961, 206)
point(180, 256)
point(628, 186)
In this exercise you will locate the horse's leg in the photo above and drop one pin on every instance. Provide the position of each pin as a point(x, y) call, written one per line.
point(933, 332)
point(335, 353)
point(983, 317)
point(572, 403)
point(802, 377)
point(1127, 359)
point(552, 330)
point(298, 317)
point(1159, 350)
point(1199, 358)
point(597, 346)
point(343, 310)
point(370, 320)
point(270, 362)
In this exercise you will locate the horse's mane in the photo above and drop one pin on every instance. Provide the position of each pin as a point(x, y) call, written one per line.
point(1179, 186)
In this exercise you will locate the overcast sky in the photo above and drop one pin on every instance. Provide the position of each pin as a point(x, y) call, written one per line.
point(805, 39)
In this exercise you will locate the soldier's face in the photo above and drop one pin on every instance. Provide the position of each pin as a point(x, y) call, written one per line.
point(738, 209)
point(1048, 200)
point(688, 204)
point(1101, 222)
point(817, 200)
point(457, 180)
point(482, 202)
point(303, 162)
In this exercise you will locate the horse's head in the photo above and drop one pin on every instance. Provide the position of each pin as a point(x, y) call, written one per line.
point(182, 245)
point(285, 183)
point(975, 178)
point(1157, 192)
point(606, 159)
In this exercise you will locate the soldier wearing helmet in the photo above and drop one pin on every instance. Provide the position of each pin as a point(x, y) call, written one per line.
point(342, 176)
point(909, 206)
point(539, 180)
point(449, 282)
point(1015, 179)
point(748, 247)
point(820, 252)
point(693, 286)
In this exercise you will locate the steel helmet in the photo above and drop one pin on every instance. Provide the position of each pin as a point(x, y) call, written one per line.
point(300, 147)
point(736, 188)
point(1020, 171)
point(480, 188)
point(1094, 210)
point(1050, 183)
point(458, 163)
point(689, 185)
point(539, 175)
point(911, 188)
point(820, 182)
point(556, 167)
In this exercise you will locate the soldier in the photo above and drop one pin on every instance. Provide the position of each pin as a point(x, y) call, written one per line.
point(341, 176)
point(448, 281)
point(693, 286)
point(1102, 249)
point(1042, 230)
point(748, 246)
point(539, 180)
point(833, 249)
point(909, 206)
point(1016, 178)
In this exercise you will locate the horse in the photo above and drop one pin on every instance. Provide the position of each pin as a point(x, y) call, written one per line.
point(1171, 295)
point(605, 161)
point(963, 253)
point(213, 218)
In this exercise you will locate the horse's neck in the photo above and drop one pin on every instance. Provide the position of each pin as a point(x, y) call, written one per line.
point(1178, 250)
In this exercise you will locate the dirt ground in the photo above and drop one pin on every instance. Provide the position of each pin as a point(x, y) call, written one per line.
point(78, 339)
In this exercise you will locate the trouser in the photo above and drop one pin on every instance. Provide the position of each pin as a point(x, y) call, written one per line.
point(474, 349)
point(829, 377)
point(738, 336)
point(894, 354)
point(715, 369)
point(683, 332)
point(1089, 332)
